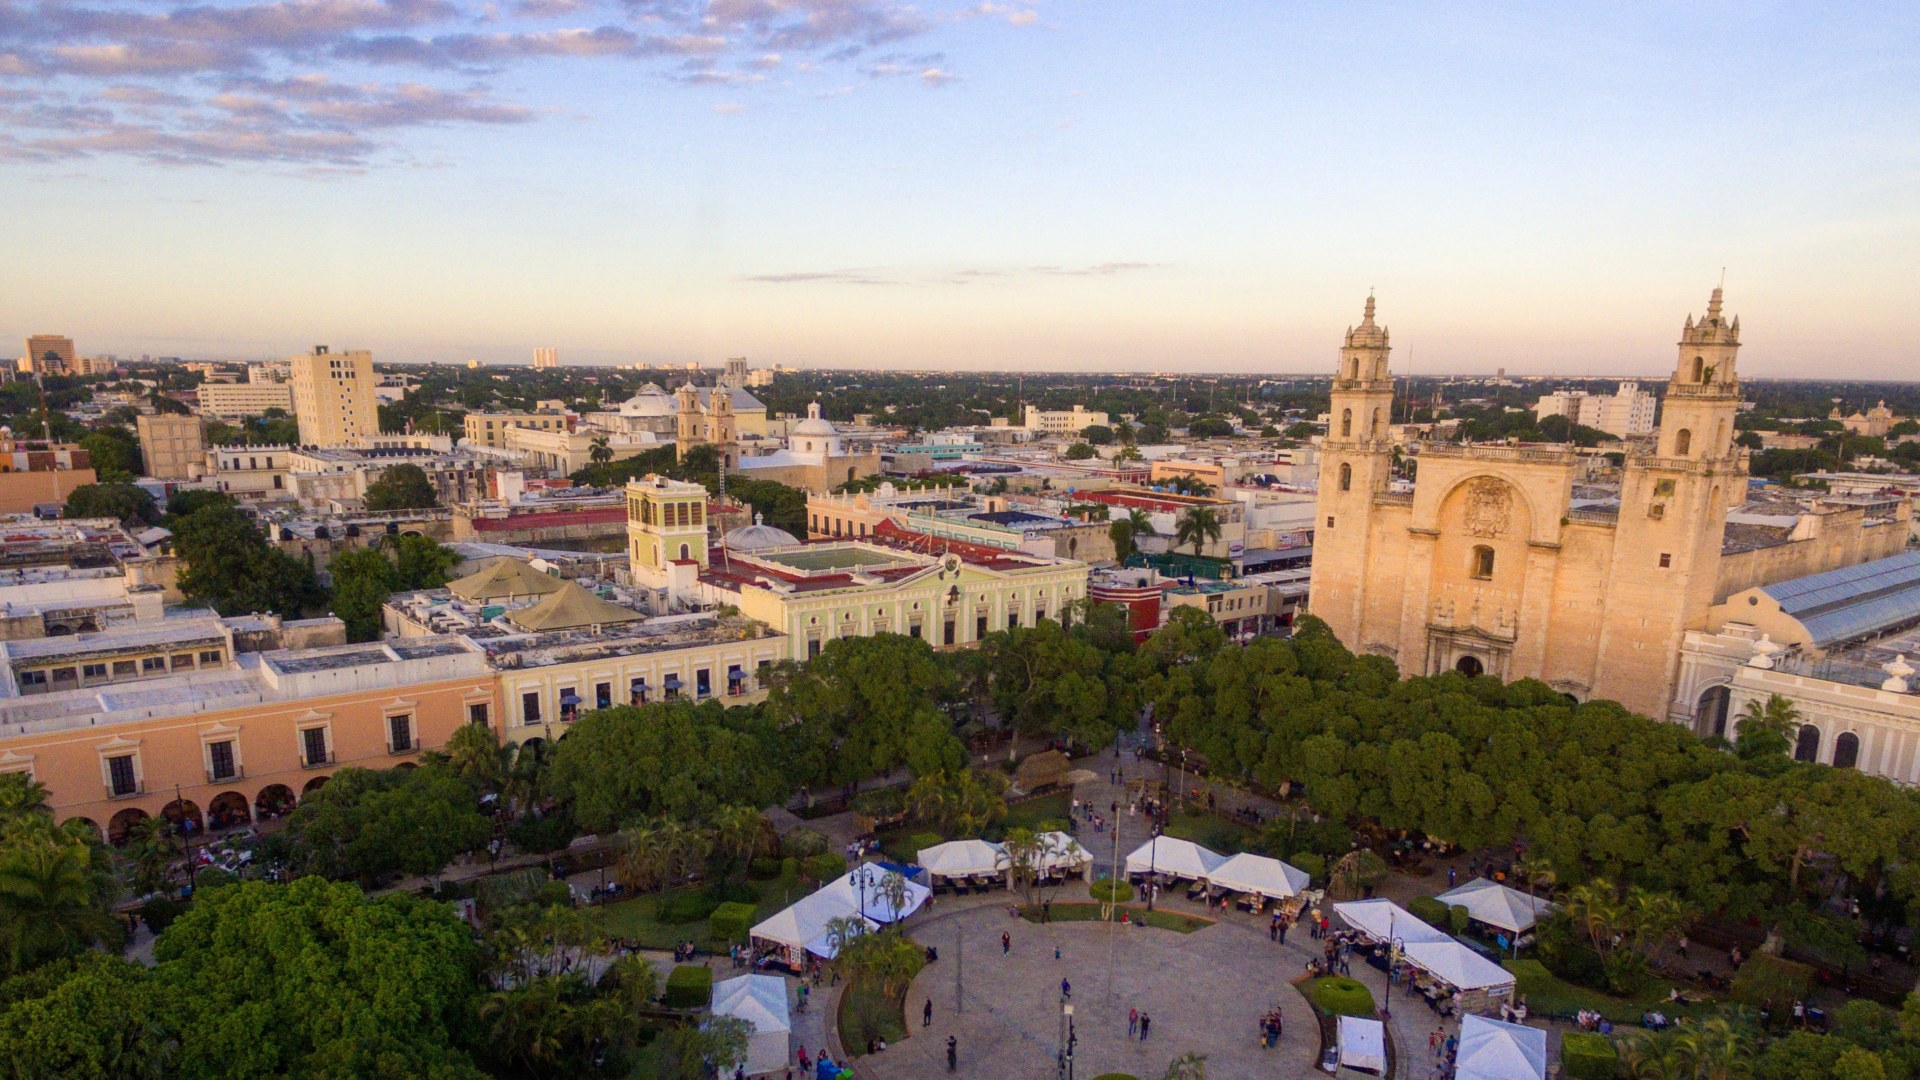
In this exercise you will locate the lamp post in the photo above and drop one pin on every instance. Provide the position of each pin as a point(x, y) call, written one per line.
point(1394, 947)
point(1153, 862)
point(192, 878)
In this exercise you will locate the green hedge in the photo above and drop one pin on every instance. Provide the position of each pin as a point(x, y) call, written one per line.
point(1111, 891)
point(920, 841)
point(1585, 1055)
point(1458, 917)
point(826, 867)
point(1314, 865)
point(730, 921)
point(1337, 995)
point(765, 869)
point(689, 986)
point(1429, 910)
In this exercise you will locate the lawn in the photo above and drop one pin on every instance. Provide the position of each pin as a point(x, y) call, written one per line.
point(638, 919)
point(1164, 920)
point(1548, 995)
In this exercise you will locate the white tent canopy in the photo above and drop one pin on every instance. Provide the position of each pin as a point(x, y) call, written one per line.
point(1497, 905)
point(1384, 920)
point(822, 944)
point(961, 858)
point(1496, 1050)
point(1249, 873)
point(760, 1000)
point(1457, 966)
point(1062, 852)
point(1363, 1044)
point(803, 925)
point(1170, 855)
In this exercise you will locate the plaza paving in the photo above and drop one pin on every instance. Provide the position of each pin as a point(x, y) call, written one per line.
point(1205, 992)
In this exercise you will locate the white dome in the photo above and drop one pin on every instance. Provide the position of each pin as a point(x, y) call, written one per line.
point(757, 536)
point(815, 424)
point(651, 401)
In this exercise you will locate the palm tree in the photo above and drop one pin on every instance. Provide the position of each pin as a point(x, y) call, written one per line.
point(1539, 873)
point(1778, 714)
point(893, 890)
point(1200, 526)
point(152, 844)
point(1188, 1066)
point(598, 451)
point(22, 796)
point(473, 752)
point(737, 830)
point(1594, 908)
point(50, 902)
point(644, 859)
point(1141, 521)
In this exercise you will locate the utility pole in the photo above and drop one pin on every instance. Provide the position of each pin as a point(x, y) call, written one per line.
point(959, 967)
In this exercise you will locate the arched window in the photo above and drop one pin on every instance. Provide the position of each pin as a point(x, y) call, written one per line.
point(1682, 443)
point(1346, 477)
point(1807, 746)
point(685, 551)
point(1846, 751)
point(1470, 666)
point(1699, 369)
point(1710, 717)
point(1483, 562)
point(1346, 423)
point(1376, 429)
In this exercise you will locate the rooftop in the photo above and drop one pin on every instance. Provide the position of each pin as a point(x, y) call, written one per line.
point(1854, 602)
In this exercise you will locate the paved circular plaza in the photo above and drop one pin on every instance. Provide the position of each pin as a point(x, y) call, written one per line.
point(1205, 992)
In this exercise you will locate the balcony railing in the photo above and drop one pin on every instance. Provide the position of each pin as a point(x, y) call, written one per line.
point(215, 776)
point(406, 747)
point(321, 762)
point(137, 791)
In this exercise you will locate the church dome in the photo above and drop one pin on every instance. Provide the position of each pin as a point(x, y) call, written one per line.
point(758, 536)
point(815, 424)
point(650, 401)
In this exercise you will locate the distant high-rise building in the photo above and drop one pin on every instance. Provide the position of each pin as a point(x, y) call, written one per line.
point(546, 357)
point(49, 354)
point(736, 371)
point(173, 446)
point(333, 397)
point(1629, 411)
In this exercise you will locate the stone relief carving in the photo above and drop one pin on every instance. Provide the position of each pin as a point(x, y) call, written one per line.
point(1489, 508)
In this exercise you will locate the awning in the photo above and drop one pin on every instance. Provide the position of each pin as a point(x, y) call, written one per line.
point(1457, 965)
point(1496, 1050)
point(1384, 920)
point(1497, 905)
point(1171, 855)
point(569, 699)
point(1363, 1044)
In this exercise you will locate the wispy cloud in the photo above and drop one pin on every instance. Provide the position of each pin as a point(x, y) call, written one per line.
point(967, 276)
point(1106, 269)
point(186, 81)
point(834, 277)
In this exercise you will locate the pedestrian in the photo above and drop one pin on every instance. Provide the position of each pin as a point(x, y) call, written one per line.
point(1006, 943)
point(1046, 910)
point(1145, 1022)
point(1066, 988)
point(1273, 929)
point(1450, 876)
point(1433, 1043)
point(1682, 947)
point(953, 1053)
point(1133, 1022)
point(1453, 1044)
point(1283, 931)
point(926, 1013)
point(1056, 952)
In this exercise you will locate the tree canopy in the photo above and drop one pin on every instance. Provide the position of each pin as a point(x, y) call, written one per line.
point(228, 563)
point(401, 487)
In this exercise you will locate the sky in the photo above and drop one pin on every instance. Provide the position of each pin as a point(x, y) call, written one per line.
point(1053, 185)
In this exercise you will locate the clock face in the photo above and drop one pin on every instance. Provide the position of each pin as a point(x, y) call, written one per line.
point(952, 564)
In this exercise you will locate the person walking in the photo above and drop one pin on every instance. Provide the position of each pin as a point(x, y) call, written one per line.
point(1066, 990)
point(1281, 924)
point(926, 1013)
point(1145, 1022)
point(1451, 873)
point(953, 1053)
point(1133, 1022)
point(1006, 943)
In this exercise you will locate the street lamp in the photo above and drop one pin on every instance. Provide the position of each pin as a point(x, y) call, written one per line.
point(1153, 861)
point(192, 878)
point(1394, 948)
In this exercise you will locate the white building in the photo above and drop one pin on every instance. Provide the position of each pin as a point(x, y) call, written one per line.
point(1628, 411)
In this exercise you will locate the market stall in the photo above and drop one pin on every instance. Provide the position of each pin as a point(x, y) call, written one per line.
point(1497, 905)
point(1363, 1045)
point(761, 1001)
point(1496, 1050)
point(1259, 878)
point(965, 864)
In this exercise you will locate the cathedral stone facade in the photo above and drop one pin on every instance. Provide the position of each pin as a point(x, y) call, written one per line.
point(1487, 567)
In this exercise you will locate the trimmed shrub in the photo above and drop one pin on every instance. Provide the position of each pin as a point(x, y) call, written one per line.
point(733, 892)
point(802, 842)
point(1458, 917)
point(921, 840)
point(1585, 1055)
point(1314, 865)
point(689, 986)
point(1765, 976)
point(1563, 950)
point(1111, 891)
point(1337, 995)
point(790, 867)
point(826, 866)
point(159, 912)
point(686, 907)
point(765, 869)
point(554, 894)
point(1429, 911)
point(730, 921)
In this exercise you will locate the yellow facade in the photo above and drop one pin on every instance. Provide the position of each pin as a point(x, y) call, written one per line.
point(490, 429)
point(666, 523)
point(237, 401)
point(174, 447)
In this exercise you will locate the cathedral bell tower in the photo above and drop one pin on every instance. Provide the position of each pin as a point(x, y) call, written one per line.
point(689, 424)
point(1674, 497)
point(1356, 463)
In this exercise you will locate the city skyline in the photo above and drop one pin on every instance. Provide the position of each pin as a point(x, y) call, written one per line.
point(865, 184)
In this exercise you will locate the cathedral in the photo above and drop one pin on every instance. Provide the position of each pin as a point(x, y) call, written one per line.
point(1488, 566)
